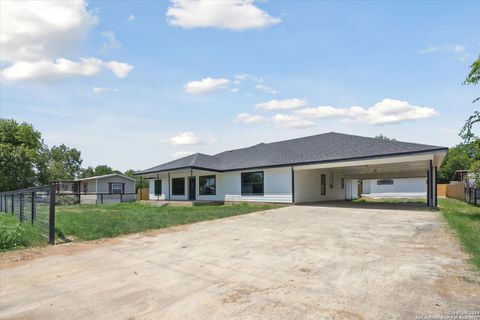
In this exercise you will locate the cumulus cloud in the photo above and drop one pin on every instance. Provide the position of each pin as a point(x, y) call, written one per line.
point(234, 14)
point(249, 118)
point(383, 112)
point(184, 138)
point(285, 104)
point(37, 35)
point(181, 154)
point(291, 122)
point(205, 85)
point(61, 68)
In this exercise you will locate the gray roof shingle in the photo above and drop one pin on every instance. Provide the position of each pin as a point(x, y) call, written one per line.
point(327, 147)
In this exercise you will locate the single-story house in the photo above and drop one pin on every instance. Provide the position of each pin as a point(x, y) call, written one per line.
point(321, 167)
point(109, 188)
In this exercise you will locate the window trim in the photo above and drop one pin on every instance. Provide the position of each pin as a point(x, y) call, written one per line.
point(155, 187)
point(252, 194)
point(112, 184)
point(183, 183)
point(200, 193)
point(385, 182)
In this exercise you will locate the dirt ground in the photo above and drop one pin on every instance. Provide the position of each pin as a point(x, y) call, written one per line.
point(301, 262)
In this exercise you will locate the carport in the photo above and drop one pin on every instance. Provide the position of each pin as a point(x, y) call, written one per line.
point(340, 180)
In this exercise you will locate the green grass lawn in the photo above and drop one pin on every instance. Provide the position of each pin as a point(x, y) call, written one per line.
point(465, 220)
point(88, 222)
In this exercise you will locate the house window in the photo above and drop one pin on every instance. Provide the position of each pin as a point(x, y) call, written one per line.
point(158, 187)
point(252, 183)
point(323, 184)
point(116, 188)
point(384, 182)
point(342, 183)
point(178, 186)
point(207, 185)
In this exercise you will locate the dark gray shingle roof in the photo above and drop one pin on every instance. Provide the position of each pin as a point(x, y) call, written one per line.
point(327, 147)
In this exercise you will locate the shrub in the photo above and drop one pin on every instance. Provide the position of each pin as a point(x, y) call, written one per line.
point(13, 234)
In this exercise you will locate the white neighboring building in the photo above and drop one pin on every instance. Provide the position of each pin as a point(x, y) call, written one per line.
point(395, 188)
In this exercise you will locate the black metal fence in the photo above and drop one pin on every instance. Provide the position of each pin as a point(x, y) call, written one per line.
point(32, 205)
point(472, 196)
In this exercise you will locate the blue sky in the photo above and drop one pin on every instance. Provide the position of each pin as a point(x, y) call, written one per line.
point(217, 75)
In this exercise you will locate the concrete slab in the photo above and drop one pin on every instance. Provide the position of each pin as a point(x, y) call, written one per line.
point(298, 262)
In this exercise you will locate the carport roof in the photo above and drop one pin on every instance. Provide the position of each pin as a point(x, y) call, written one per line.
point(327, 147)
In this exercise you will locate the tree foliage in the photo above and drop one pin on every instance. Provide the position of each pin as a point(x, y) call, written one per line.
point(460, 157)
point(64, 163)
point(99, 170)
point(20, 154)
point(382, 137)
point(140, 183)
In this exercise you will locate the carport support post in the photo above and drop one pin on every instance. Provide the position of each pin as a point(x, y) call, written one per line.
point(428, 188)
point(430, 185)
point(169, 186)
point(293, 186)
point(435, 188)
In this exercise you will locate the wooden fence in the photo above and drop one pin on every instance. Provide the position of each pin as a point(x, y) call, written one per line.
point(142, 194)
point(455, 191)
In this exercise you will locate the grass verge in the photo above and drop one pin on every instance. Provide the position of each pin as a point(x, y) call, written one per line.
point(89, 222)
point(16, 235)
point(465, 220)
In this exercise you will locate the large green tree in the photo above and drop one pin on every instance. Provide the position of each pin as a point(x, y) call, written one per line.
point(99, 170)
point(473, 78)
point(21, 147)
point(460, 157)
point(64, 163)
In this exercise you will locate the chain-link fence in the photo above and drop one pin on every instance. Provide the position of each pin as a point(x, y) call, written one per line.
point(32, 205)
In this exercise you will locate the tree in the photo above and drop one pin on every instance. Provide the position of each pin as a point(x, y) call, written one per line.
point(20, 152)
point(99, 170)
point(460, 157)
point(64, 163)
point(382, 137)
point(466, 133)
point(139, 183)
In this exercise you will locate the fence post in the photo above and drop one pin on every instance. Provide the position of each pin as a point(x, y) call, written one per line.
point(475, 195)
point(51, 224)
point(121, 197)
point(34, 213)
point(13, 204)
point(101, 198)
point(22, 209)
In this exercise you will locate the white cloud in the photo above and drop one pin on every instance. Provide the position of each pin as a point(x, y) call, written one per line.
point(184, 138)
point(103, 89)
point(205, 85)
point(234, 14)
point(61, 68)
point(131, 17)
point(282, 104)
point(459, 51)
point(291, 122)
point(36, 36)
point(383, 112)
point(266, 89)
point(181, 154)
point(120, 69)
point(112, 42)
point(249, 118)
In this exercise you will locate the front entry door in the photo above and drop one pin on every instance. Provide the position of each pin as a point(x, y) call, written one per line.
point(192, 188)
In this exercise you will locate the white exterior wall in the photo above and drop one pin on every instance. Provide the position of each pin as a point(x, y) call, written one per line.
point(277, 186)
point(308, 186)
point(399, 185)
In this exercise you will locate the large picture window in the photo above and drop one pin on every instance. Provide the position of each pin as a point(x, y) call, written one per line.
point(178, 186)
point(252, 183)
point(207, 185)
point(158, 187)
point(323, 185)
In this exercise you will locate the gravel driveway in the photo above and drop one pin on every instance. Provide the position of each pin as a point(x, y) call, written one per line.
point(300, 262)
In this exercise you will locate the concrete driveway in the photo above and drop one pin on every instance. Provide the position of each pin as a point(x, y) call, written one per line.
point(302, 262)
